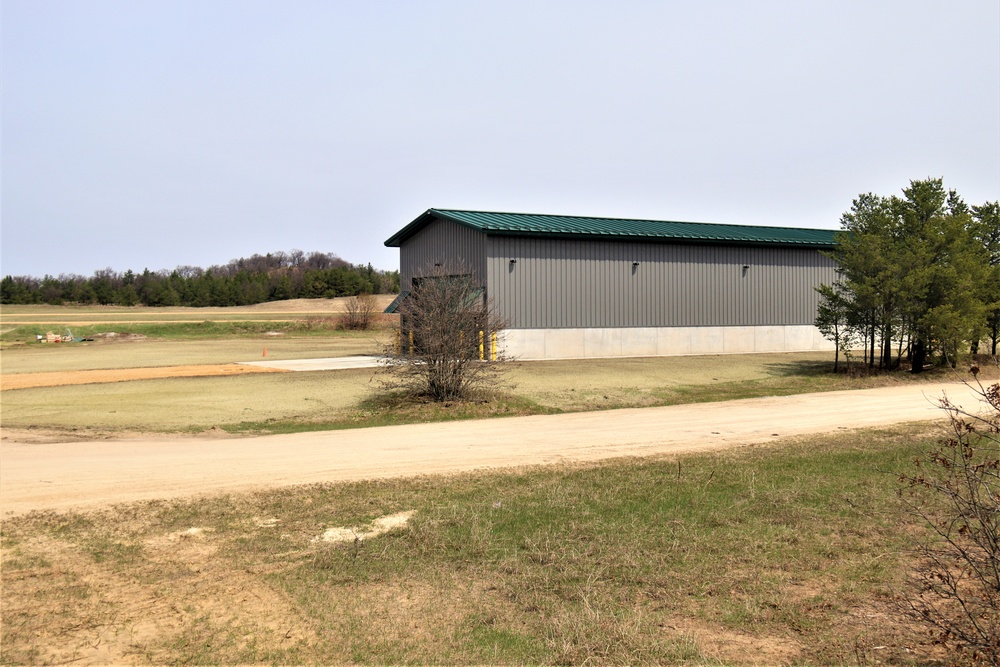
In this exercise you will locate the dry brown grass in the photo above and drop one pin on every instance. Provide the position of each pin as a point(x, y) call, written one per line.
point(286, 402)
point(575, 384)
point(780, 555)
point(147, 353)
point(40, 313)
point(63, 378)
point(187, 404)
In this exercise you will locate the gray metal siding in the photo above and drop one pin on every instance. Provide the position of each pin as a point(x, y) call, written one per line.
point(442, 242)
point(578, 283)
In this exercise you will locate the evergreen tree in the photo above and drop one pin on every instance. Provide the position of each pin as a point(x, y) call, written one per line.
point(986, 230)
point(914, 268)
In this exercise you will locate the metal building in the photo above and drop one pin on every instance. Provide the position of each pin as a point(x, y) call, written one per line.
point(599, 287)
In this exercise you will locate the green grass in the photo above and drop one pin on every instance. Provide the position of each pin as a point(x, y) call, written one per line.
point(779, 386)
point(393, 409)
point(789, 549)
point(208, 329)
point(322, 400)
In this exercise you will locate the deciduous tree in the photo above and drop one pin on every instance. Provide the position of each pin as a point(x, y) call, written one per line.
point(445, 346)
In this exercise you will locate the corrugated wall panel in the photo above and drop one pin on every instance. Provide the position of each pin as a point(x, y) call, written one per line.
point(578, 283)
point(446, 243)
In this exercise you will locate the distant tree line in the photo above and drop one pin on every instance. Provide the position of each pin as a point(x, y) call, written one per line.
point(919, 278)
point(241, 282)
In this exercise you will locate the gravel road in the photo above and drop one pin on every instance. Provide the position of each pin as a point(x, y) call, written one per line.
point(83, 475)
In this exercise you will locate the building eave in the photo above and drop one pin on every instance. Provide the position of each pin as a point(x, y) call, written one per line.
point(575, 227)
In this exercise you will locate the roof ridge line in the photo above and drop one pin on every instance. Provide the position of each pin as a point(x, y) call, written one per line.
point(578, 226)
point(592, 217)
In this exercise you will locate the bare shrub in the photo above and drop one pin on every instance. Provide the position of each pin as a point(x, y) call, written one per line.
point(955, 587)
point(447, 344)
point(359, 312)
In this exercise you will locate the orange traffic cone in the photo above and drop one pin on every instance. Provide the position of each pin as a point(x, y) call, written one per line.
point(265, 351)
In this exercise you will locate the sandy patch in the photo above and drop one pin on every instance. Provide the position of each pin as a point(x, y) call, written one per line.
point(266, 522)
point(377, 527)
point(189, 534)
point(77, 611)
point(717, 643)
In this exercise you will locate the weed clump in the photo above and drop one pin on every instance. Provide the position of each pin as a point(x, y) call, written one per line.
point(955, 587)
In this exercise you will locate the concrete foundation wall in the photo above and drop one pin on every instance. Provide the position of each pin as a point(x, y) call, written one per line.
point(659, 341)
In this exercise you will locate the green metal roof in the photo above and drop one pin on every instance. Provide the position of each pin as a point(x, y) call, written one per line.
point(568, 226)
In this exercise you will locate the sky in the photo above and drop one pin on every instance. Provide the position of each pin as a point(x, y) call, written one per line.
point(164, 133)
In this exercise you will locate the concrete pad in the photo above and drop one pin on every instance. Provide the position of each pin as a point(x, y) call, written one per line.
point(328, 364)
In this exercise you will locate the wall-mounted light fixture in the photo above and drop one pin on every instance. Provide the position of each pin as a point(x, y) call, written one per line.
point(513, 261)
point(635, 264)
point(437, 263)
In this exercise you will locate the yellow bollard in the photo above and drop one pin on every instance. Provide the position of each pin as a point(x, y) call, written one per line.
point(493, 346)
point(411, 342)
point(481, 346)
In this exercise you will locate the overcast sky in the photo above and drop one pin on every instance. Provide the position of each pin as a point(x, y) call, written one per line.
point(162, 133)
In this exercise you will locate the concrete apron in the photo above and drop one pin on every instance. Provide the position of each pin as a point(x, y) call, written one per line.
point(328, 364)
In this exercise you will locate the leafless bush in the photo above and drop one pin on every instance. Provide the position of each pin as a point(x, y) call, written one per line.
point(359, 312)
point(447, 346)
point(955, 588)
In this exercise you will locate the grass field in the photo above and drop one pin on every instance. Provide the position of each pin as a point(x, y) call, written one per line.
point(39, 316)
point(286, 402)
point(786, 554)
point(149, 352)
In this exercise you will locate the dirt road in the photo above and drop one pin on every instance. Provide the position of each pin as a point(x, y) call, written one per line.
point(63, 378)
point(88, 474)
